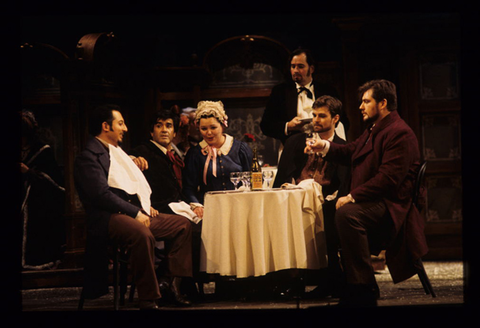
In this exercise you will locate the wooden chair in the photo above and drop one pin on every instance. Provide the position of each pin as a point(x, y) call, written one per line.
point(120, 279)
point(422, 274)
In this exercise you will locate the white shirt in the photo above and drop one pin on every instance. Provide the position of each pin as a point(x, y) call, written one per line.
point(304, 104)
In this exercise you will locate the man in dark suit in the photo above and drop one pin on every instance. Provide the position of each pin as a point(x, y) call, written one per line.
point(116, 198)
point(290, 102)
point(295, 165)
point(162, 168)
point(159, 162)
point(378, 213)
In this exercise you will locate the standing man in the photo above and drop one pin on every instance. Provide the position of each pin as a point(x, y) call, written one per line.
point(295, 165)
point(116, 198)
point(290, 102)
point(378, 213)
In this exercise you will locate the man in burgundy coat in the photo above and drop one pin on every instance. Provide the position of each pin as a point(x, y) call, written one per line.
point(378, 213)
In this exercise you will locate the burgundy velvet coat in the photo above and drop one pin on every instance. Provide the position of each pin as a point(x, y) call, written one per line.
point(384, 166)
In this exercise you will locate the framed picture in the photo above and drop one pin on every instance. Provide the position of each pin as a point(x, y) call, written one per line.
point(444, 198)
point(441, 137)
point(439, 78)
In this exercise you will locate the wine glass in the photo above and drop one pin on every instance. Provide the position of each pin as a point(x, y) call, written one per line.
point(260, 160)
point(310, 135)
point(235, 178)
point(246, 176)
point(267, 176)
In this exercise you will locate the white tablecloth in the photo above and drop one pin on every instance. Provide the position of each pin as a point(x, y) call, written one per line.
point(253, 233)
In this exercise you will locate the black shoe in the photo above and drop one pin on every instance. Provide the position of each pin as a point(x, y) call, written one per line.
point(148, 305)
point(177, 298)
point(288, 292)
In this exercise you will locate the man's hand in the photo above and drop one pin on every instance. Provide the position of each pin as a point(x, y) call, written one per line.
point(141, 163)
point(295, 124)
point(144, 219)
point(344, 200)
point(153, 212)
point(314, 146)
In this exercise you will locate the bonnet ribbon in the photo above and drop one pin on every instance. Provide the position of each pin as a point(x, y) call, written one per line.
point(212, 156)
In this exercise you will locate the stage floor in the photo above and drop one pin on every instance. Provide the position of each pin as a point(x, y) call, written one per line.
point(447, 279)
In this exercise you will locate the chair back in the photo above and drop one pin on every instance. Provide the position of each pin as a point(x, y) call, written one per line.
point(419, 182)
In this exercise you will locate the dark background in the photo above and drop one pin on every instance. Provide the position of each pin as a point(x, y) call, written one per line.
point(166, 34)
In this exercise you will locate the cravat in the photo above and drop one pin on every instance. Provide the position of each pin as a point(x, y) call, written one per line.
point(177, 166)
point(309, 93)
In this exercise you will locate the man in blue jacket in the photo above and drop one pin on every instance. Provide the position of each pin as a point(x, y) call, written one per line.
point(116, 198)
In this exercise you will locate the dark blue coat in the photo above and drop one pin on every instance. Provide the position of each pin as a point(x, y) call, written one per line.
point(100, 201)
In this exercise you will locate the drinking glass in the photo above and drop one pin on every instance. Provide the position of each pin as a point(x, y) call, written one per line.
point(235, 178)
point(268, 176)
point(260, 160)
point(246, 176)
point(310, 135)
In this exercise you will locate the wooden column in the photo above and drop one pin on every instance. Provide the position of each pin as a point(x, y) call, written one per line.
point(350, 28)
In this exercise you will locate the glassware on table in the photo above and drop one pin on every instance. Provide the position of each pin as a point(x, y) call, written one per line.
point(268, 176)
point(235, 177)
point(246, 176)
point(310, 135)
point(260, 160)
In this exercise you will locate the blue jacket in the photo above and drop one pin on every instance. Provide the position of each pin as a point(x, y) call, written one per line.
point(99, 201)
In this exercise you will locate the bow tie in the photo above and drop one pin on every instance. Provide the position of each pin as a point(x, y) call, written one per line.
point(309, 93)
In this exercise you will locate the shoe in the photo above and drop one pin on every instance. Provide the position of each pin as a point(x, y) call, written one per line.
point(288, 292)
point(148, 305)
point(177, 298)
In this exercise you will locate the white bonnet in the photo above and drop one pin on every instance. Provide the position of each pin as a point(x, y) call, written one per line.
point(211, 108)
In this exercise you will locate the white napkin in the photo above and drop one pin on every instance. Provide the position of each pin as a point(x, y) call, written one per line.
point(125, 175)
point(183, 209)
point(290, 186)
point(315, 186)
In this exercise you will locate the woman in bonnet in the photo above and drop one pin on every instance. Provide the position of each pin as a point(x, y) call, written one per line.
point(208, 164)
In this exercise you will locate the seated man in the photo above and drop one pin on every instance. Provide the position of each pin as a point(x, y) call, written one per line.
point(295, 166)
point(162, 168)
point(116, 198)
point(160, 164)
point(378, 213)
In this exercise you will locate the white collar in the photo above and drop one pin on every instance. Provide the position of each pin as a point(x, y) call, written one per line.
point(224, 149)
point(308, 86)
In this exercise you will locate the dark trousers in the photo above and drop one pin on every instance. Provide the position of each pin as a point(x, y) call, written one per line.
point(363, 229)
point(175, 230)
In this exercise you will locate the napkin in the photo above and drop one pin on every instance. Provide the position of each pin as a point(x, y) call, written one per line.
point(183, 209)
point(124, 174)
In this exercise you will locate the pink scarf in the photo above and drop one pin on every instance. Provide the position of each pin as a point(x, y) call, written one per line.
point(212, 156)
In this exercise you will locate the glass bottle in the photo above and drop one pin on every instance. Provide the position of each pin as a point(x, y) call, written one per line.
point(257, 182)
